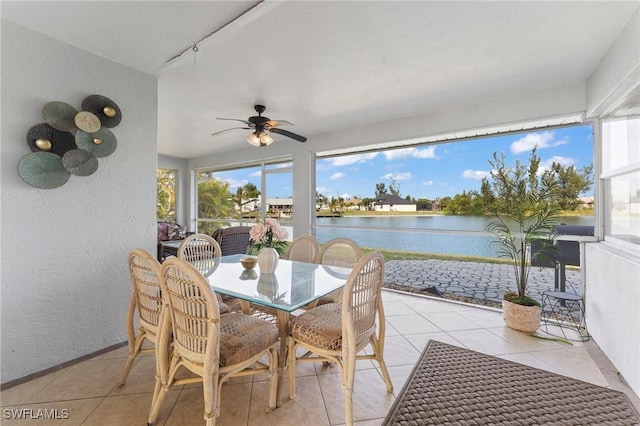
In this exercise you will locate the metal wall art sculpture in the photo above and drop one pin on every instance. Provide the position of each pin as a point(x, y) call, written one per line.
point(69, 141)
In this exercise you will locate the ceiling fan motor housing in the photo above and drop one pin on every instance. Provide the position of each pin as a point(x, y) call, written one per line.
point(258, 120)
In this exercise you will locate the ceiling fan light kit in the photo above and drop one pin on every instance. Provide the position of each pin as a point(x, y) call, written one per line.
point(261, 126)
point(260, 138)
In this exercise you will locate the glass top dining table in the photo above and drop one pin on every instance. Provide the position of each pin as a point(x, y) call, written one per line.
point(290, 287)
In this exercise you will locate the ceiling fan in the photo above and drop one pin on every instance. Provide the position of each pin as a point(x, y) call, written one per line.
point(261, 127)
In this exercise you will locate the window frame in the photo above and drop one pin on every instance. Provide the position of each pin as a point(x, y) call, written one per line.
point(607, 175)
point(266, 167)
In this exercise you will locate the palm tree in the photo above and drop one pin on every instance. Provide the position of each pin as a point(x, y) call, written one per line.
point(215, 201)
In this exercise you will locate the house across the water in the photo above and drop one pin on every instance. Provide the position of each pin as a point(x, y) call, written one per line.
point(393, 203)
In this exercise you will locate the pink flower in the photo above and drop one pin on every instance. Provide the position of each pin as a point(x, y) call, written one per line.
point(269, 234)
point(279, 232)
point(257, 232)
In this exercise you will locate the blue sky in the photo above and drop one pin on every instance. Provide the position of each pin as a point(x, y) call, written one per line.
point(433, 171)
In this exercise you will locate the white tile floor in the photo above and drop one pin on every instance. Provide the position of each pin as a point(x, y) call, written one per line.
point(88, 389)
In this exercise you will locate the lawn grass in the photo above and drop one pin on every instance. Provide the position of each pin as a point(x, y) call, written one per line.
point(407, 255)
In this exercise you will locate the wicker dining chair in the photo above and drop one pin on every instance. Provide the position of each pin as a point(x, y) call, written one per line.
point(215, 347)
point(303, 249)
point(342, 252)
point(199, 247)
point(203, 252)
point(146, 300)
point(233, 240)
point(339, 332)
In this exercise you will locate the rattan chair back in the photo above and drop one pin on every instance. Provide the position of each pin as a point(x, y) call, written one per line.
point(233, 240)
point(214, 347)
point(340, 252)
point(337, 252)
point(339, 332)
point(194, 313)
point(198, 247)
point(146, 300)
point(362, 301)
point(303, 249)
point(203, 252)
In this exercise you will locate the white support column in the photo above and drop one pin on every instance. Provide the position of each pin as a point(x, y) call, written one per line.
point(304, 192)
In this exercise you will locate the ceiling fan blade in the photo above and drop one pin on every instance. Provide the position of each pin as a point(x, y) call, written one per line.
point(233, 128)
point(288, 134)
point(275, 123)
point(248, 123)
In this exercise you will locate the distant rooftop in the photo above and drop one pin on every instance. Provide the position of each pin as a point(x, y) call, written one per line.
point(392, 200)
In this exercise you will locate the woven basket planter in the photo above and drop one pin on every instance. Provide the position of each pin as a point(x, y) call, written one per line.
point(520, 317)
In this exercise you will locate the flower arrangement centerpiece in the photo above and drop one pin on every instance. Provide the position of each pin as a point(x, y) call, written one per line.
point(268, 239)
point(268, 234)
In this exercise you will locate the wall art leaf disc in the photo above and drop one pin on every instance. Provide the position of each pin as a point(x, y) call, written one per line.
point(107, 111)
point(80, 162)
point(101, 143)
point(87, 121)
point(60, 141)
point(60, 115)
point(43, 170)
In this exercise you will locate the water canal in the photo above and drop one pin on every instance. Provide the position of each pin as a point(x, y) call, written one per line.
point(453, 235)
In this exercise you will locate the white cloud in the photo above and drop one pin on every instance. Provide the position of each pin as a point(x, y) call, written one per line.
point(546, 164)
point(539, 140)
point(322, 190)
point(256, 173)
point(427, 183)
point(349, 159)
point(396, 154)
point(337, 175)
point(346, 196)
point(397, 176)
point(564, 161)
point(475, 174)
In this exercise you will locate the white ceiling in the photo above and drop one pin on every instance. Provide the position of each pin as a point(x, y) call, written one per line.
point(326, 66)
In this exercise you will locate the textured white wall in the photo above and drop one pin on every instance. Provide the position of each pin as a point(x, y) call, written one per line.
point(612, 307)
point(65, 283)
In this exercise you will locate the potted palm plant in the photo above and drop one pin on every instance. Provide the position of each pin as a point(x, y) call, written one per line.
point(526, 214)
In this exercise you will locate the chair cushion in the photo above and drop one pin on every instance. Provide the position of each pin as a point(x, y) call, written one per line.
point(243, 336)
point(320, 327)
